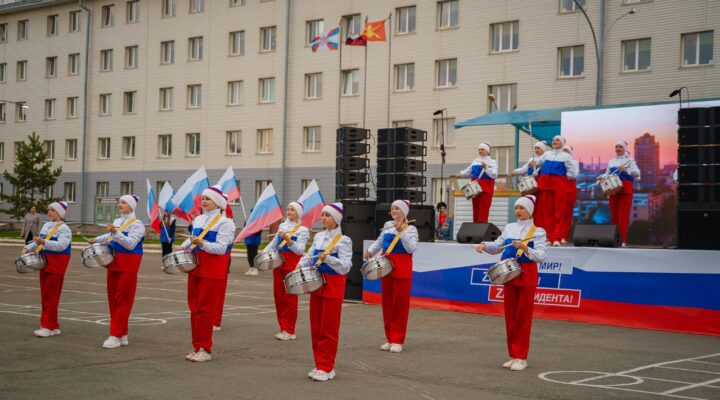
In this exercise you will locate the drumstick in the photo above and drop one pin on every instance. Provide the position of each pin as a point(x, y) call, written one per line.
point(393, 226)
point(184, 235)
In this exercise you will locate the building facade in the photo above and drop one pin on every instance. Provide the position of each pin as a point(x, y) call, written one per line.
point(647, 156)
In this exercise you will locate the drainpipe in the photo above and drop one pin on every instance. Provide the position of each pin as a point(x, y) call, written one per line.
point(86, 74)
point(285, 102)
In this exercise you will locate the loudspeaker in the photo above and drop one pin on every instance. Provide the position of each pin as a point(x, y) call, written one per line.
point(390, 150)
point(350, 134)
point(404, 134)
point(358, 212)
point(699, 116)
point(476, 232)
point(351, 178)
point(699, 155)
point(698, 193)
point(351, 192)
point(698, 173)
point(697, 135)
point(354, 278)
point(359, 225)
point(400, 180)
point(359, 233)
point(400, 166)
point(392, 194)
point(596, 235)
point(352, 163)
point(695, 227)
point(352, 149)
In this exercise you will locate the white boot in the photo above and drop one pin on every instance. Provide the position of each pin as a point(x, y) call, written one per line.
point(43, 332)
point(395, 348)
point(190, 355)
point(385, 347)
point(112, 342)
point(55, 332)
point(285, 336)
point(518, 365)
point(312, 373)
point(322, 376)
point(201, 356)
point(124, 341)
point(508, 364)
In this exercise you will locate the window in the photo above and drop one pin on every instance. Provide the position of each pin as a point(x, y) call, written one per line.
point(194, 93)
point(402, 124)
point(2, 151)
point(235, 3)
point(132, 11)
point(313, 29)
point(313, 86)
point(235, 93)
point(197, 6)
point(505, 157)
point(2, 115)
point(237, 43)
point(268, 39)
point(23, 27)
point(131, 57)
point(106, 60)
point(567, 6)
point(104, 148)
point(72, 107)
point(441, 125)
point(74, 22)
point(22, 70)
point(404, 77)
point(3, 72)
point(102, 189)
point(697, 48)
point(192, 141)
point(165, 146)
point(50, 67)
point(446, 73)
point(107, 15)
point(351, 82)
point(572, 61)
point(49, 147)
point(49, 109)
point(305, 183)
point(69, 192)
point(311, 136)
point(46, 193)
point(352, 24)
point(105, 104)
point(505, 36)
point(636, 55)
point(168, 8)
point(128, 146)
point(52, 25)
point(267, 90)
point(3, 33)
point(406, 19)
point(166, 99)
point(129, 106)
point(126, 187)
point(71, 149)
point(505, 97)
point(167, 52)
point(448, 14)
point(74, 64)
point(195, 48)
point(20, 114)
point(264, 141)
point(260, 187)
point(232, 139)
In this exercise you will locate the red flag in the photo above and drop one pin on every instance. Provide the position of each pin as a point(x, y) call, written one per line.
point(356, 40)
point(374, 31)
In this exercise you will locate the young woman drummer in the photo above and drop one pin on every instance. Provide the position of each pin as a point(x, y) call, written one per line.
point(484, 170)
point(125, 235)
point(621, 203)
point(528, 246)
point(54, 244)
point(556, 167)
point(331, 254)
point(211, 242)
point(530, 168)
point(290, 242)
point(570, 197)
point(398, 242)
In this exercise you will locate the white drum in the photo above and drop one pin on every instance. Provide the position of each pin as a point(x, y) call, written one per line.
point(97, 255)
point(472, 189)
point(528, 185)
point(611, 184)
point(304, 280)
point(30, 262)
point(268, 260)
point(179, 261)
point(504, 271)
point(376, 268)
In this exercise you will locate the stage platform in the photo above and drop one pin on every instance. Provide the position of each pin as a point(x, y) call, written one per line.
point(670, 290)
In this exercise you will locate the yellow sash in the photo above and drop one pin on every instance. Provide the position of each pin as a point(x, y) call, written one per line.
point(49, 236)
point(330, 247)
point(528, 237)
point(395, 239)
point(295, 229)
point(122, 228)
point(207, 228)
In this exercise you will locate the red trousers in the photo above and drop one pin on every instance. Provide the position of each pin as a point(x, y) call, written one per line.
point(620, 205)
point(396, 307)
point(217, 321)
point(571, 196)
point(286, 304)
point(519, 304)
point(325, 314)
point(554, 199)
point(121, 295)
point(50, 288)
point(481, 203)
point(203, 301)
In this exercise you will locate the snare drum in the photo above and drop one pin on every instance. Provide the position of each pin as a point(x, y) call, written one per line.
point(268, 260)
point(178, 261)
point(30, 262)
point(376, 268)
point(97, 255)
point(304, 280)
point(472, 189)
point(504, 271)
point(611, 184)
point(528, 185)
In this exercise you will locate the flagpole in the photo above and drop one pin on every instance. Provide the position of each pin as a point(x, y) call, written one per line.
point(389, 69)
point(340, 88)
point(162, 221)
point(365, 80)
point(243, 207)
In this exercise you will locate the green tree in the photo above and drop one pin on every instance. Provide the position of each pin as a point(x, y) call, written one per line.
point(32, 175)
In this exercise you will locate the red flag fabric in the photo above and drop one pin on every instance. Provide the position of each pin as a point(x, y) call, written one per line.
point(356, 40)
point(374, 31)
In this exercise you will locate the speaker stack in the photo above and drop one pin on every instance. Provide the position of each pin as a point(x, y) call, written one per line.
point(352, 164)
point(698, 177)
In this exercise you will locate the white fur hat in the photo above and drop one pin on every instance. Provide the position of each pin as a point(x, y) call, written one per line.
point(60, 207)
point(541, 145)
point(622, 143)
point(335, 210)
point(298, 207)
point(215, 194)
point(485, 146)
point(403, 205)
point(562, 139)
point(527, 202)
point(131, 199)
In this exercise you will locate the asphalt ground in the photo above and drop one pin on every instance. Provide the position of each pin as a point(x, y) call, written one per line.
point(447, 355)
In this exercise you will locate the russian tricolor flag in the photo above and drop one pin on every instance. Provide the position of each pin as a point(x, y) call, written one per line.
point(266, 212)
point(165, 203)
point(187, 198)
point(152, 209)
point(313, 203)
point(229, 186)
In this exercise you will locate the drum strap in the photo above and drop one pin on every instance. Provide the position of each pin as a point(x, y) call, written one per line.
point(395, 240)
point(49, 236)
point(207, 228)
point(330, 247)
point(123, 227)
point(292, 232)
point(529, 236)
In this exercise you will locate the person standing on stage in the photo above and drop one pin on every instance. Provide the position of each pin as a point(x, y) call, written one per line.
point(530, 168)
point(528, 246)
point(621, 203)
point(484, 170)
point(398, 241)
point(290, 242)
point(167, 233)
point(444, 223)
point(556, 167)
point(331, 254)
point(126, 236)
point(54, 244)
point(211, 241)
point(571, 196)
point(31, 224)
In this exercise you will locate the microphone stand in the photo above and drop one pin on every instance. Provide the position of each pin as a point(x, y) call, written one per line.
point(442, 157)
